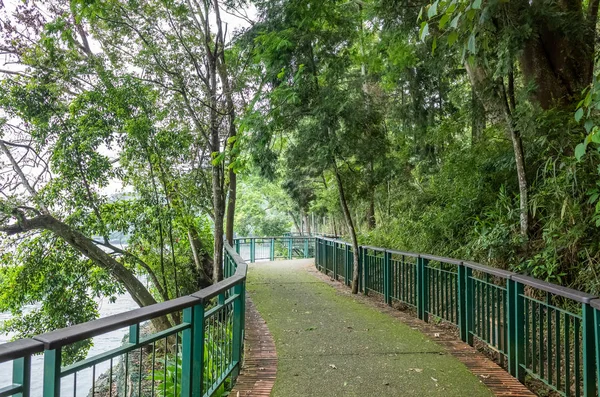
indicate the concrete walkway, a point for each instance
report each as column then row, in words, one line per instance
column 330, row 344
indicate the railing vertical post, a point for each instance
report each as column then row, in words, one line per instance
column 589, row 362
column 187, row 348
column 365, row 265
column 597, row 337
column 237, row 246
column 387, row 277
column 290, row 247
column 52, row 364
column 252, row 249
column 361, row 271
column 22, row 374
column 237, row 328
column 462, row 302
column 272, row 250
column 335, row 269
column 422, row 289
column 347, row 263
column 516, row 329
column 469, row 305
column 317, row 252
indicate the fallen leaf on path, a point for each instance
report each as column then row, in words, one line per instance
column 332, row 366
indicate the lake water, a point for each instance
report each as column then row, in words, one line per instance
column 102, row 343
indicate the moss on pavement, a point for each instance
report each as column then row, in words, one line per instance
column 329, row 344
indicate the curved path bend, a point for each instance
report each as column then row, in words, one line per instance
column 331, row 343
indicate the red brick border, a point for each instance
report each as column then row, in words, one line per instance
column 259, row 369
column 500, row 382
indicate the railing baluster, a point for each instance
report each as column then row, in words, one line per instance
column 52, row 365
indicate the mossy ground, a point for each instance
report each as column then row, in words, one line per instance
column 329, row 344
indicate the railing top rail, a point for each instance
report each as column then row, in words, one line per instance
column 570, row 293
column 19, row 348
column 554, row 289
column 370, row 247
column 488, row 269
column 411, row 254
column 441, row 259
column 272, row 237
column 79, row 332
column 333, row 240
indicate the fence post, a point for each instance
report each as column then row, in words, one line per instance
column 463, row 305
column 597, row 337
column 237, row 246
column 365, row 262
column 469, row 306
column 316, row 253
column 22, row 374
column 589, row 360
column 290, row 247
column 347, row 264
column 192, row 351
column 516, row 329
column 335, row 270
column 252, row 249
column 422, row 289
column 387, row 277
column 272, row 250
column 361, row 284
column 237, row 329
column 52, row 364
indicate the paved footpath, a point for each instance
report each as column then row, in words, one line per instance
column 330, row 344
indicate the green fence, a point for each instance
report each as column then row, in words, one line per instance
column 253, row 249
column 192, row 358
column 538, row 329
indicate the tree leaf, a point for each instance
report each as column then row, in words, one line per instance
column 589, row 124
column 444, row 20
column 580, row 151
column 452, row 37
column 432, row 11
column 476, row 5
column 578, row 114
column 454, row 22
column 424, row 31
column 471, row 44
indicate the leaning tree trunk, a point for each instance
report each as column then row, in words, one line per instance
column 350, row 224
column 87, row 247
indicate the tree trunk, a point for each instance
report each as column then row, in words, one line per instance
column 371, row 212
column 219, row 210
column 350, row 225
column 477, row 117
column 231, row 200
column 307, row 224
column 296, row 224
column 515, row 137
column 87, row 247
column 201, row 260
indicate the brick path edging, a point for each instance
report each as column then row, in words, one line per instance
column 500, row 382
column 259, row 368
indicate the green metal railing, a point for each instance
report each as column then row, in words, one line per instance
column 193, row 358
column 537, row 329
column 253, row 249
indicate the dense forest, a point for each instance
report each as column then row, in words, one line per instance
column 455, row 127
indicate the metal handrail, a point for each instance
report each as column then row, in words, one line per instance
column 544, row 330
column 50, row 343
